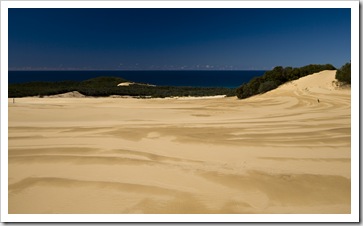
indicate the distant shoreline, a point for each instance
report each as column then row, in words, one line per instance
column 196, row 78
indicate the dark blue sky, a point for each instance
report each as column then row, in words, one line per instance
column 177, row 38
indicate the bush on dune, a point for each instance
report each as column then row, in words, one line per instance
column 276, row 77
column 344, row 74
column 267, row 86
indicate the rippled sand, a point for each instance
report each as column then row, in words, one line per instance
column 280, row 152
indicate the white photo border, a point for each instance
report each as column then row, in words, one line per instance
column 353, row 217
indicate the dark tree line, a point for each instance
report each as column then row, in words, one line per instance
column 276, row 77
column 106, row 86
column 343, row 74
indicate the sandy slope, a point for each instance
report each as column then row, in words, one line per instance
column 280, row 152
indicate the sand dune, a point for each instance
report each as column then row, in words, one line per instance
column 75, row 94
column 280, row 152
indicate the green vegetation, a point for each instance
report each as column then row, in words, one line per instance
column 343, row 74
column 276, row 77
column 41, row 88
column 106, row 86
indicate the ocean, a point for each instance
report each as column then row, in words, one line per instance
column 227, row 79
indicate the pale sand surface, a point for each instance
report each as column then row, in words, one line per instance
column 279, row 152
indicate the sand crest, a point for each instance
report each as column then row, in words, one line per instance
column 280, row 152
column 74, row 94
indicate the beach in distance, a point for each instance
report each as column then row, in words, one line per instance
column 284, row 151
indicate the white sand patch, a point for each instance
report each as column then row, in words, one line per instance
column 74, row 94
column 133, row 83
column 125, row 84
column 198, row 98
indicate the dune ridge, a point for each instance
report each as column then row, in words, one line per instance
column 279, row 152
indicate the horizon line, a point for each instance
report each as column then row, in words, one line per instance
column 138, row 69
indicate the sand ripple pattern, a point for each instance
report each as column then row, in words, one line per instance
column 279, row 152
